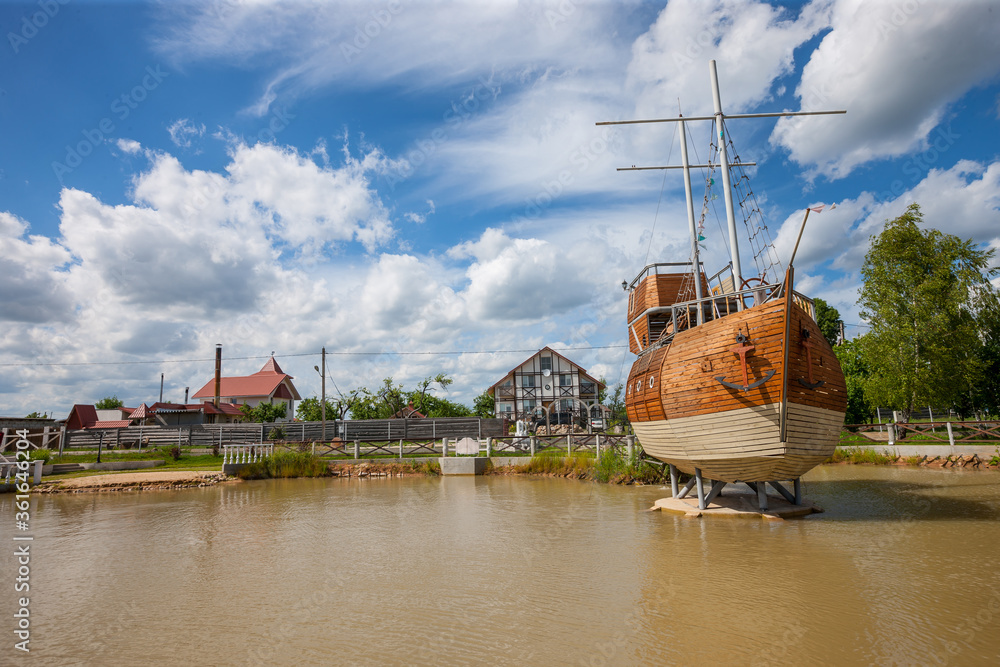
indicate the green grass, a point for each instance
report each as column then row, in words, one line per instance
column 284, row 465
column 617, row 469
column 861, row 455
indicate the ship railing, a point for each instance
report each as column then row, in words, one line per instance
column 684, row 316
column 654, row 270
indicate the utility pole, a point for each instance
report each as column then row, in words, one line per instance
column 161, row 387
column 323, row 384
column 322, row 404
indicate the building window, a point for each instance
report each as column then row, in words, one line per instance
column 565, row 380
column 529, row 406
column 546, row 363
column 527, row 380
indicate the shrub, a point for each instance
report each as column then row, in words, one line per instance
column 42, row 455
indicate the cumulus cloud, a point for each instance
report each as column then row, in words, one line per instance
column 896, row 68
column 32, row 279
column 753, row 43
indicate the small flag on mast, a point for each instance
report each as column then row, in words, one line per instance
column 820, row 207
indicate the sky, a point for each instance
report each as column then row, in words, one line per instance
column 421, row 187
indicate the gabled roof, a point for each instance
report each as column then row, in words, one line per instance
column 141, row 412
column 264, row 382
column 583, row 372
column 81, row 416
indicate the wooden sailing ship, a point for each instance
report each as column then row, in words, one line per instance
column 734, row 381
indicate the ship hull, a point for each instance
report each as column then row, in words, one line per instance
column 770, row 412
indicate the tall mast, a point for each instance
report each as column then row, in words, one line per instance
column 691, row 222
column 726, row 181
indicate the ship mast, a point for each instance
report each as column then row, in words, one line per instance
column 727, row 187
column 691, row 222
column 719, row 117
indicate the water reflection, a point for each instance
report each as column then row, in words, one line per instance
column 900, row 569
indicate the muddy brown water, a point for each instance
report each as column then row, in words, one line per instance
column 902, row 568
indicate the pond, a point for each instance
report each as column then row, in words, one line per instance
column 901, row 569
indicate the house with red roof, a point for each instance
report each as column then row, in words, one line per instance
column 86, row 417
column 268, row 385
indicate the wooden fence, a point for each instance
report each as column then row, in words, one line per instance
column 924, row 433
column 217, row 435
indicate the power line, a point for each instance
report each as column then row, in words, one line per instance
column 306, row 354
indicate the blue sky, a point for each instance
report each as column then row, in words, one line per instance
column 398, row 177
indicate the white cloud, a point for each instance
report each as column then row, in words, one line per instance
column 896, row 68
column 183, row 131
column 411, row 43
column 129, row 146
column 32, row 284
column 753, row 43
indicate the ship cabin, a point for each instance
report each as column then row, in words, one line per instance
column 663, row 300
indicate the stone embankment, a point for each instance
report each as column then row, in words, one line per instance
column 380, row 469
column 970, row 461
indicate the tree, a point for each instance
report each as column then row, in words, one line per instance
column 856, row 373
column 484, row 405
column 986, row 392
column 311, row 410
column 619, row 414
column 419, row 397
column 264, row 412
column 35, row 415
column 924, row 294
column 109, row 403
column 828, row 319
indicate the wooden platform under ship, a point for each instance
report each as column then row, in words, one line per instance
column 734, row 380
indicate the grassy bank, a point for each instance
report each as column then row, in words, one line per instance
column 609, row 468
column 285, row 465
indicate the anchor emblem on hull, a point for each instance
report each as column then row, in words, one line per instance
column 808, row 344
column 742, row 348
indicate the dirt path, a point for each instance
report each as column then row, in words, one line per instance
column 134, row 481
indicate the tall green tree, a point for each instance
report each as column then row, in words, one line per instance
column 109, row 403
column 986, row 392
column 923, row 294
column 828, row 319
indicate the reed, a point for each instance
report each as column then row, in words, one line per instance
column 285, row 464
column 861, row 455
